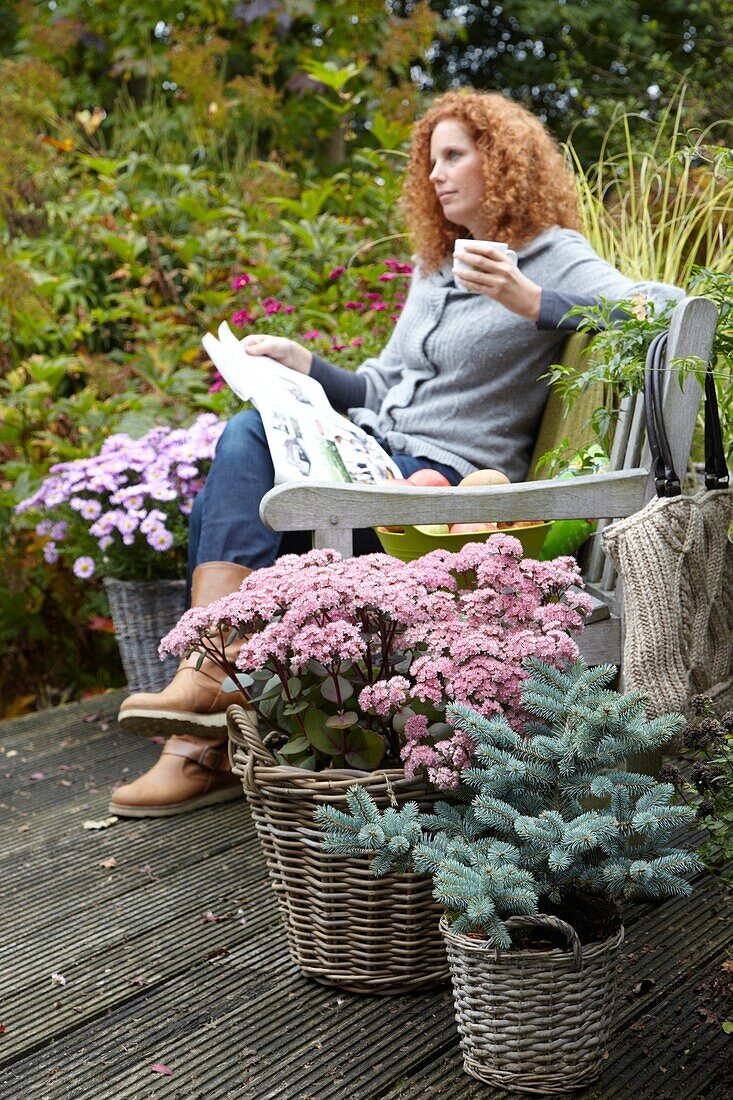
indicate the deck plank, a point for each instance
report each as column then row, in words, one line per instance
column 222, row 1004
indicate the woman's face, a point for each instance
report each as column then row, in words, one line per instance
column 456, row 174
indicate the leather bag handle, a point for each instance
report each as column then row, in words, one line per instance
column 665, row 475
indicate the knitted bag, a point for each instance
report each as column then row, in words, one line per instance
column 676, row 564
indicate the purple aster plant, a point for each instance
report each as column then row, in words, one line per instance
column 124, row 512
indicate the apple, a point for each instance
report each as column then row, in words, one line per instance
column 485, row 477
column 432, row 528
column 466, row 528
column 428, row 477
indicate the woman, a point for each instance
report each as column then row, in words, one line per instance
column 458, row 387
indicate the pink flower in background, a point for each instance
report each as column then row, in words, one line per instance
column 337, row 271
column 353, row 305
column 217, row 384
column 387, row 277
column 241, row 318
column 240, row 281
column 399, row 268
column 271, row 306
column 313, row 334
column 356, row 342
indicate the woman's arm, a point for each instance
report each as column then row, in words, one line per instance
column 576, row 270
column 344, row 389
column 554, row 306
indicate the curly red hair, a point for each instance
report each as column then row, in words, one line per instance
column 527, row 186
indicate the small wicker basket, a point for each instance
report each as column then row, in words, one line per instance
column 344, row 927
column 142, row 612
column 533, row 1021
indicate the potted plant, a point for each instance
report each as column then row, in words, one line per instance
column 123, row 514
column 348, row 664
column 527, row 857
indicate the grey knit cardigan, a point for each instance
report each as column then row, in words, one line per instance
column 459, row 381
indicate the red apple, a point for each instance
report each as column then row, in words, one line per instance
column 466, row 528
column 427, row 477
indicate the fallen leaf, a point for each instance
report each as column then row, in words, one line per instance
column 2, row 1029
column 728, row 966
column 90, row 718
column 109, row 862
column 642, row 987
column 214, row 918
column 11, row 752
column 37, row 775
column 146, row 869
column 158, row 1067
column 139, row 980
column 100, row 622
column 727, row 1027
column 103, row 824
column 217, row 952
column 23, row 828
column 58, row 979
column 64, row 783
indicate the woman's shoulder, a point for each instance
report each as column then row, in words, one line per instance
column 556, row 239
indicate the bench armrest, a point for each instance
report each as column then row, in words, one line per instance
column 313, row 505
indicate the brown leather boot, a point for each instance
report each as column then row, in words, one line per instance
column 191, row 773
column 193, row 702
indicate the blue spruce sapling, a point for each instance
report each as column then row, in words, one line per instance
column 528, row 841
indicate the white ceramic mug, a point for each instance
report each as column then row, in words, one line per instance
column 464, row 265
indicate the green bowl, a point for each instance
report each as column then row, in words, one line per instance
column 410, row 543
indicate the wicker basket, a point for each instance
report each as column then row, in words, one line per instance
column 533, row 1021
column 142, row 612
column 344, row 927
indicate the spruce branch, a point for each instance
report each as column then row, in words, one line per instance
column 528, row 835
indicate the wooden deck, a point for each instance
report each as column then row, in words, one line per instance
column 168, row 940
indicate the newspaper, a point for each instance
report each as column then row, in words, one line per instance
column 307, row 438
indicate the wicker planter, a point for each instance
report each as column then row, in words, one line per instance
column 533, row 1021
column 344, row 927
column 142, row 612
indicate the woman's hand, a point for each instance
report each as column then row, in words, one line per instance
column 494, row 274
column 280, row 348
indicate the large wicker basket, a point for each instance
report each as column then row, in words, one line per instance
column 142, row 612
column 533, row 1021
column 344, row 927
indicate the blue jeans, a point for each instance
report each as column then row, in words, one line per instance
column 225, row 522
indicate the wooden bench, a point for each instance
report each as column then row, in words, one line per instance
column 332, row 512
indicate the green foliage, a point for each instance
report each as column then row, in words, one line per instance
column 707, row 784
column 528, row 838
column 578, row 64
column 116, row 254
